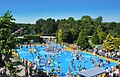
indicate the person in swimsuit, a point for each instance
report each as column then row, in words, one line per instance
column 77, row 57
column 58, row 69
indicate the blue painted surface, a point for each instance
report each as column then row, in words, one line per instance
column 64, row 59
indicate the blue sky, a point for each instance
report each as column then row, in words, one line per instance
column 28, row 11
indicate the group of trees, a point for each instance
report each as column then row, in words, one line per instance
column 71, row 27
column 68, row 30
column 7, row 43
column 98, row 36
column 82, row 40
column 111, row 43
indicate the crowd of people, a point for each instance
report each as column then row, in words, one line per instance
column 113, row 71
column 49, row 61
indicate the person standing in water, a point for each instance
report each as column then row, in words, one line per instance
column 72, row 62
column 58, row 70
column 77, row 57
column 38, row 61
column 49, row 62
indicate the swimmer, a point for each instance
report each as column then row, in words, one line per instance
column 79, row 68
column 45, row 63
column 52, row 63
column 58, row 70
column 74, row 51
column 30, row 45
column 39, row 54
column 83, row 69
column 77, row 57
column 30, row 50
column 35, row 46
column 72, row 62
column 74, row 69
column 21, row 46
column 93, row 64
column 35, row 50
column 80, row 57
column 38, row 61
column 26, row 46
column 68, row 70
column 92, row 60
column 49, row 61
column 45, row 57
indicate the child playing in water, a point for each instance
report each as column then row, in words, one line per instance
column 35, row 50
column 68, row 70
column 77, row 57
column 35, row 46
column 52, row 63
column 93, row 64
column 49, row 61
column 80, row 57
column 57, row 58
column 58, row 70
column 72, row 62
column 45, row 63
column 38, row 61
column 79, row 68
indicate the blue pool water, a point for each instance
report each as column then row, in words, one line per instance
column 64, row 59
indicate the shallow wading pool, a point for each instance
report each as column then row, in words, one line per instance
column 64, row 59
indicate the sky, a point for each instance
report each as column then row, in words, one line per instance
column 29, row 11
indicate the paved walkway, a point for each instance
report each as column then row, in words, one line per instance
column 22, row 73
column 20, row 66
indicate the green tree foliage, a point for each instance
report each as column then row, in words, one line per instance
column 87, row 23
column 97, row 21
column 70, row 29
column 109, row 43
column 117, row 43
column 49, row 28
column 71, row 22
column 82, row 40
column 25, row 31
column 59, row 36
column 67, row 36
column 111, row 27
column 39, row 23
column 101, row 35
column 95, row 38
column 73, row 27
column 12, row 69
column 7, row 41
column 30, row 29
column 62, row 24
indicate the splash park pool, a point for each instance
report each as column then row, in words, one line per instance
column 62, row 61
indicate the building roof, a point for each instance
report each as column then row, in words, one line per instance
column 48, row 37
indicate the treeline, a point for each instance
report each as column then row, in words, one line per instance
column 71, row 28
